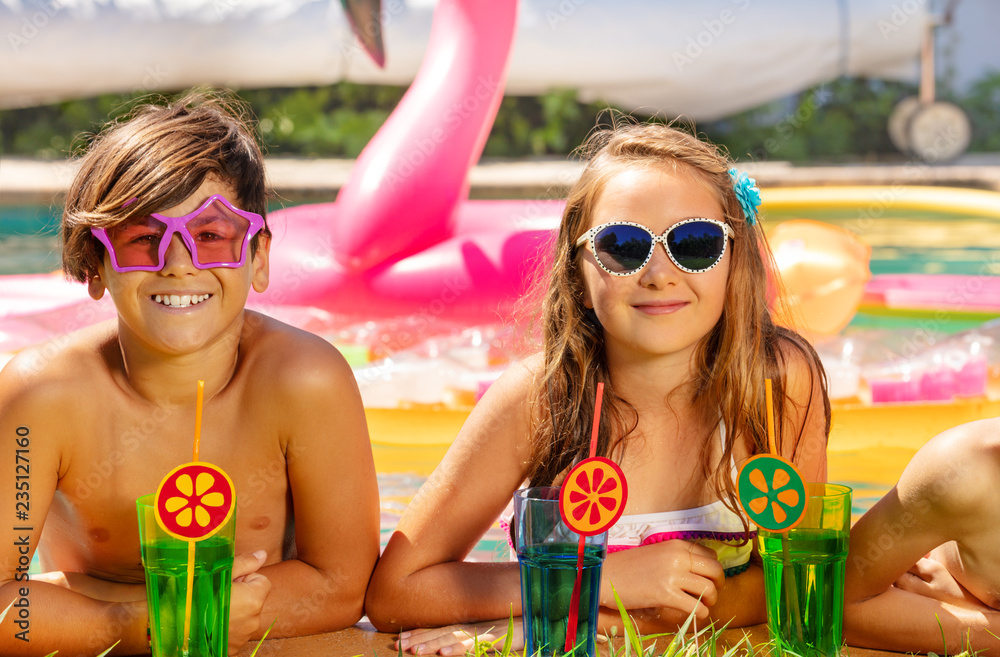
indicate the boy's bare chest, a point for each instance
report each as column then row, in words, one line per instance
column 92, row 525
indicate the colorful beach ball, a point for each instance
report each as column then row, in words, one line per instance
column 772, row 492
column 194, row 501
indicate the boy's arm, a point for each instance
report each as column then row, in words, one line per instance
column 334, row 492
column 935, row 497
column 46, row 617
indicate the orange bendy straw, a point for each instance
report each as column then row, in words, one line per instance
column 190, row 565
column 197, row 418
column 769, row 398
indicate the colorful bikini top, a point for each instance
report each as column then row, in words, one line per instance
column 713, row 525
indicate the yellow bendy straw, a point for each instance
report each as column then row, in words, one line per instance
column 190, row 565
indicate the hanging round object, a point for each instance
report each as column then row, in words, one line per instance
column 899, row 123
column 939, row 132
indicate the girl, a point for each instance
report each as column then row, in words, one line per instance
column 659, row 289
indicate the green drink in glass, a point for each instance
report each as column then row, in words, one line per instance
column 804, row 575
column 165, row 559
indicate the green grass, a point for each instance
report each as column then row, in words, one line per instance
column 704, row 642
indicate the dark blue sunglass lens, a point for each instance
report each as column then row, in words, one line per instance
column 697, row 245
column 621, row 248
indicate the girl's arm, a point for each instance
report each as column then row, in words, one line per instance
column 421, row 579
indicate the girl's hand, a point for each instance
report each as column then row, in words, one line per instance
column 457, row 639
column 674, row 574
column 250, row 589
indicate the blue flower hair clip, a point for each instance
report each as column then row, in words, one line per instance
column 748, row 194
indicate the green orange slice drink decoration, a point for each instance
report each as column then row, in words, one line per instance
column 772, row 492
column 591, row 500
column 192, row 503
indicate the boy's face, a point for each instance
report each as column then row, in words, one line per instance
column 181, row 308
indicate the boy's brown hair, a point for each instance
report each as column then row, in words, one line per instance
column 160, row 156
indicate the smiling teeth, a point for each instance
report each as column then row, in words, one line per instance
column 180, row 300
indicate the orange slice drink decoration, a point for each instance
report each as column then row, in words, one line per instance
column 772, row 492
column 194, row 501
column 593, row 496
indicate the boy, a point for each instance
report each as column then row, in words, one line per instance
column 923, row 571
column 98, row 418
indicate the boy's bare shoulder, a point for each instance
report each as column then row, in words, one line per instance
column 291, row 359
column 59, row 370
column 951, row 470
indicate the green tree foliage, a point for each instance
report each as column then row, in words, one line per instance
column 843, row 120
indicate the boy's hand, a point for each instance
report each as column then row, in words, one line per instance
column 250, row 589
column 932, row 579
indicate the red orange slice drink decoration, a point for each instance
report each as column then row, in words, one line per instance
column 592, row 499
column 194, row 501
column 593, row 496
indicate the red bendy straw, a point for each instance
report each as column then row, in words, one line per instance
column 574, row 605
column 597, row 419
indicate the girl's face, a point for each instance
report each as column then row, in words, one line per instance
column 661, row 310
column 182, row 309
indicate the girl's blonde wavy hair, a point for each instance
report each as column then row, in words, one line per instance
column 732, row 361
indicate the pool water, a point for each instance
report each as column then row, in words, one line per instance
column 29, row 241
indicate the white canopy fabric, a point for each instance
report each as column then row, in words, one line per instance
column 703, row 59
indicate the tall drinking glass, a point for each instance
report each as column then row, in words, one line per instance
column 165, row 559
column 547, row 553
column 804, row 575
